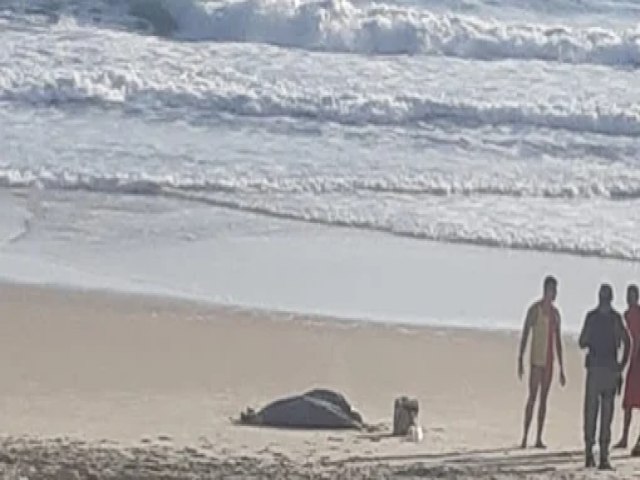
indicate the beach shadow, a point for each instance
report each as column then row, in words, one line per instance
column 505, row 460
column 545, row 459
column 426, row 457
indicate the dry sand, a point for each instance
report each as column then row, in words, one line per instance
column 99, row 385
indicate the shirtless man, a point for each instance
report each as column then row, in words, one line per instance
column 542, row 323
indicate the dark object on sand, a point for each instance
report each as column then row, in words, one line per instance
column 405, row 415
column 315, row 409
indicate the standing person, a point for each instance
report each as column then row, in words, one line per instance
column 632, row 386
column 602, row 334
column 542, row 322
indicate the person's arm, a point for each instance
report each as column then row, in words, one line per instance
column 526, row 329
column 623, row 337
column 585, row 335
column 563, row 378
column 635, row 345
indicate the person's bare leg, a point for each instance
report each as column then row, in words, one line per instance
column 624, row 441
column 534, row 383
column 542, row 408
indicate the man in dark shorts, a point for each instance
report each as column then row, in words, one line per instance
column 602, row 335
column 542, row 324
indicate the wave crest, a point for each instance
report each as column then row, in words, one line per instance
column 341, row 26
column 199, row 97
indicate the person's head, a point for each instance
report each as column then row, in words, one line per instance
column 605, row 295
column 632, row 295
column 550, row 289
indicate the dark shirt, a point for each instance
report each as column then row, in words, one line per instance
column 603, row 334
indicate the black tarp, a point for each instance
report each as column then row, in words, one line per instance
column 315, row 409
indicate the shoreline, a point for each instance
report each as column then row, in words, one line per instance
column 272, row 265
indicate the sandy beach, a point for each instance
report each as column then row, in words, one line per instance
column 102, row 385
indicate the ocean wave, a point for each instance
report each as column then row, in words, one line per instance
column 428, row 185
column 461, row 220
column 341, row 26
column 549, row 217
column 346, row 27
column 200, row 97
column 403, row 224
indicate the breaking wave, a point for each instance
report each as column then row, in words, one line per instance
column 342, row 26
column 200, row 97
